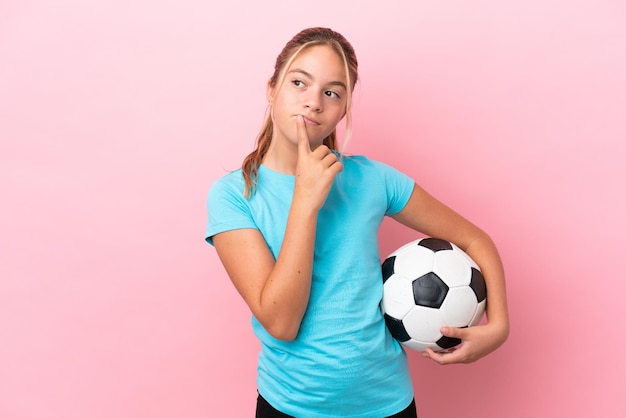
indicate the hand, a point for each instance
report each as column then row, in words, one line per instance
column 476, row 342
column 315, row 169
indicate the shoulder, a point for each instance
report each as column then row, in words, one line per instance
column 363, row 163
column 232, row 179
column 229, row 186
column 227, row 207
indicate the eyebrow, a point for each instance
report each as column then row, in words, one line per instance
column 306, row 74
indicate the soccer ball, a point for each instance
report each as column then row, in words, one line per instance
column 427, row 284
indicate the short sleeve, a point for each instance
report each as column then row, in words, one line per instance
column 227, row 208
column 398, row 186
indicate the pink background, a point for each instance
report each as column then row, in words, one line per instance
column 116, row 116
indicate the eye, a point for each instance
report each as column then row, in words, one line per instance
column 297, row 83
column 332, row 94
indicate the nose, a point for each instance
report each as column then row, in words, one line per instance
column 313, row 102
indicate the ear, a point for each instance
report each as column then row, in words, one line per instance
column 269, row 91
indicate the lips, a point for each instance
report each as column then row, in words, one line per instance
column 309, row 121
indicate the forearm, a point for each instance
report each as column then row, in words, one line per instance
column 483, row 251
column 285, row 295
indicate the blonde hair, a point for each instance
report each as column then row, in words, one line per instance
column 301, row 41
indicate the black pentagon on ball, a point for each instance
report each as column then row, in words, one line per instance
column 448, row 342
column 396, row 328
column 387, row 267
column 429, row 290
column 478, row 285
column 435, row 244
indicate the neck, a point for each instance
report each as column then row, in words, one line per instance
column 281, row 157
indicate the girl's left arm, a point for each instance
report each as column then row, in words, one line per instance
column 429, row 216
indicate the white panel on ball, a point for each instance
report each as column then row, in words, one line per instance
column 423, row 323
column 413, row 262
column 459, row 307
column 398, row 297
column 420, row 346
column 452, row 268
column 480, row 311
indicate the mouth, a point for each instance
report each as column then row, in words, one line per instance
column 309, row 121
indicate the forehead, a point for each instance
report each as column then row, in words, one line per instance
column 320, row 61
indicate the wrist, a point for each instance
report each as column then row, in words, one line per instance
column 303, row 210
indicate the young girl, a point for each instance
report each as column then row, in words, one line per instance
column 296, row 230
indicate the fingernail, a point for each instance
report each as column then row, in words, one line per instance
column 444, row 330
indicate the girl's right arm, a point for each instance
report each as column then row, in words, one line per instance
column 277, row 291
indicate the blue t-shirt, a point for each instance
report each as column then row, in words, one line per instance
column 344, row 362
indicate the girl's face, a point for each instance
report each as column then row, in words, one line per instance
column 314, row 87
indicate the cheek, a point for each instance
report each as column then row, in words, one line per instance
column 338, row 116
column 284, row 114
column 285, row 101
column 285, row 125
